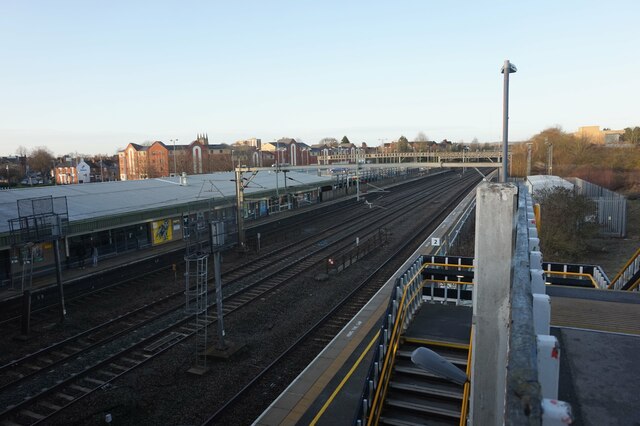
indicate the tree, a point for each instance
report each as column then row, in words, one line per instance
column 21, row 151
column 41, row 160
column 332, row 142
column 421, row 137
column 565, row 224
column 632, row 135
column 403, row 145
column 345, row 140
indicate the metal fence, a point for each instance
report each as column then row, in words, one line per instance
column 611, row 207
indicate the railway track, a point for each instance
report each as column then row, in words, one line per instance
column 47, row 311
column 242, row 408
column 92, row 373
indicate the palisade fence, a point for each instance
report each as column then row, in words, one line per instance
column 611, row 207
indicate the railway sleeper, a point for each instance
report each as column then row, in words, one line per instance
column 118, row 367
column 94, row 381
column 130, row 360
column 79, row 388
column 32, row 367
column 167, row 340
column 64, row 396
column 32, row 415
column 50, row 406
column 15, row 373
column 107, row 373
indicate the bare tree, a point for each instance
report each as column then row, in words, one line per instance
column 421, row 137
column 333, row 142
column 21, row 151
column 41, row 160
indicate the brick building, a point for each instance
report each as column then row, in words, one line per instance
column 159, row 159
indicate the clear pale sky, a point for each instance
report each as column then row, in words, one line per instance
column 91, row 76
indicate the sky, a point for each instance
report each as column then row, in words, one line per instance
column 90, row 77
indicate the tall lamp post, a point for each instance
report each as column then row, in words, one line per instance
column 507, row 68
column 175, row 168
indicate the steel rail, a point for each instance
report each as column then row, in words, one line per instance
column 213, row 419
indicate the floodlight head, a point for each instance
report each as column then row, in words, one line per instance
column 512, row 69
column 433, row 363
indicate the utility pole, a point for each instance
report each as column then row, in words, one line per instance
column 507, row 69
column 529, row 147
column 549, row 156
column 175, row 168
column 240, row 207
column 357, row 176
column 217, row 242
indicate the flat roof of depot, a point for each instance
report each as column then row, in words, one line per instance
column 94, row 200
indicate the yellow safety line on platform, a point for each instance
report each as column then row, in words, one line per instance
column 436, row 343
column 344, row 380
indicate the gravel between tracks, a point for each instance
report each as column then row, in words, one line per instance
column 163, row 393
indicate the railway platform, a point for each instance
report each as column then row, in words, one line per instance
column 111, row 263
column 328, row 392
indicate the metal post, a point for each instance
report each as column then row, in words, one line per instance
column 551, row 159
column 175, row 167
column 286, row 192
column 240, row 208
column 357, row 177
column 529, row 147
column 26, row 314
column 56, row 251
column 277, row 170
column 220, row 314
column 506, row 70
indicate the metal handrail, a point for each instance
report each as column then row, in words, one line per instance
column 575, row 274
column 404, row 301
column 467, row 386
column 618, row 281
column 399, row 323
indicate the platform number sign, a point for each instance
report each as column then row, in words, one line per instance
column 435, row 242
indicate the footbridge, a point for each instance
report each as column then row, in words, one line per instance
column 423, row 159
column 502, row 338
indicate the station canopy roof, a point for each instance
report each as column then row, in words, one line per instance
column 98, row 200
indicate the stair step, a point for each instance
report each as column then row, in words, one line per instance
column 453, row 355
column 395, row 417
column 444, row 390
column 424, row 407
column 410, row 369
